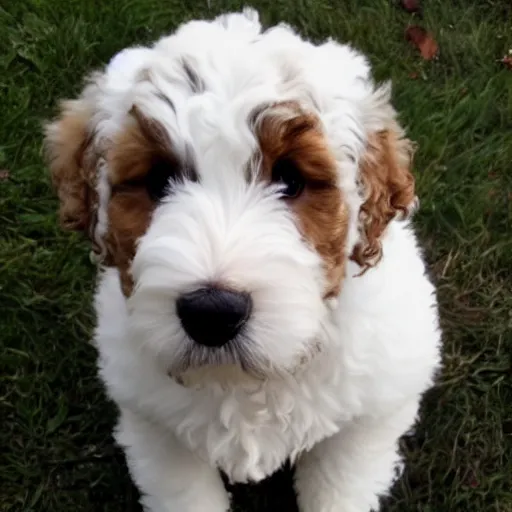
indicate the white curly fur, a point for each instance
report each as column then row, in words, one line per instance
column 339, row 381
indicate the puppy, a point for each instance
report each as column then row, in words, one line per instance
column 261, row 294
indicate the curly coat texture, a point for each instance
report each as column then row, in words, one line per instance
column 343, row 336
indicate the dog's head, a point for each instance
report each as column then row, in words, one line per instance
column 230, row 174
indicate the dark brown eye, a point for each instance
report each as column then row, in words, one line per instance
column 286, row 173
column 158, row 179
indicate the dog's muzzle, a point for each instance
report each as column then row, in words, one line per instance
column 213, row 316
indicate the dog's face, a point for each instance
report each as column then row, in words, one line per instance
column 229, row 175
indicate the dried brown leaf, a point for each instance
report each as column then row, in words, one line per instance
column 423, row 40
column 507, row 61
column 4, row 174
column 411, row 5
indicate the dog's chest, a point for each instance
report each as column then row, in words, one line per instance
column 249, row 431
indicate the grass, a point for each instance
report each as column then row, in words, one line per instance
column 56, row 451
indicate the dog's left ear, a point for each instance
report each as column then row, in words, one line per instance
column 388, row 188
column 65, row 143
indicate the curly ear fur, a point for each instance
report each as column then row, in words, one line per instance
column 388, row 189
column 65, row 142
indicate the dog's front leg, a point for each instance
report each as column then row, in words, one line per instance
column 169, row 476
column 351, row 470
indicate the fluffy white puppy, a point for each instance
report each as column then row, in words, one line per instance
column 262, row 294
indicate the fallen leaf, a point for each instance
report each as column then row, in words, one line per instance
column 4, row 174
column 411, row 5
column 413, row 75
column 423, row 40
column 474, row 483
column 507, row 60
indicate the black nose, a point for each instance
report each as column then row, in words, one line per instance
column 213, row 316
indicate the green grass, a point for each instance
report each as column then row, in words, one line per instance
column 56, row 451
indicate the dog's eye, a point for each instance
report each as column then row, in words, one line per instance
column 285, row 172
column 157, row 180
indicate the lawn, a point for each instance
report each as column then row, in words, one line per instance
column 56, row 451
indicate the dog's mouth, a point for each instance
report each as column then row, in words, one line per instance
column 230, row 363
column 225, row 376
column 234, row 365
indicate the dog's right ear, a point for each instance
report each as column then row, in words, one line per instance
column 65, row 143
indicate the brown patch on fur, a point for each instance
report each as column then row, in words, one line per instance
column 320, row 210
column 153, row 131
column 73, row 162
column 388, row 185
column 66, row 140
column 129, row 214
column 136, row 149
column 130, row 156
